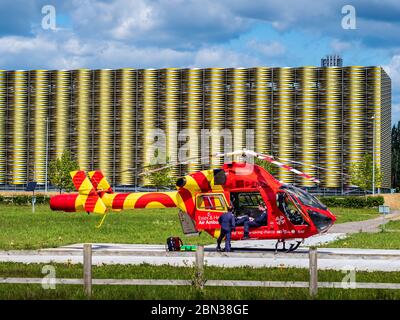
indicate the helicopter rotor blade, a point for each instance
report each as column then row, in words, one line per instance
column 270, row 159
column 187, row 161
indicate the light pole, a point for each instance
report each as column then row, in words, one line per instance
column 373, row 155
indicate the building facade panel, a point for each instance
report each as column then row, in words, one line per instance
column 284, row 119
column 331, row 127
column 195, row 115
column 307, row 123
column 3, row 108
column 126, row 125
column 38, row 114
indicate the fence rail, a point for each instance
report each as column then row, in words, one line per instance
column 87, row 281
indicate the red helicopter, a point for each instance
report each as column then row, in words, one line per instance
column 292, row 213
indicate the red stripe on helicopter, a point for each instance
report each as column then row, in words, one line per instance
column 118, row 202
column 79, row 178
column 162, row 198
column 90, row 203
column 96, row 178
column 202, row 181
column 186, row 196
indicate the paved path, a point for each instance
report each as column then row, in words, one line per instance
column 371, row 225
column 105, row 253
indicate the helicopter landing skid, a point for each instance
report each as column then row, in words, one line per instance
column 293, row 246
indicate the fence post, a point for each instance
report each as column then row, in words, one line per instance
column 312, row 253
column 199, row 275
column 87, row 268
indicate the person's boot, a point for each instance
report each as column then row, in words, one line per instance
column 219, row 249
column 246, row 236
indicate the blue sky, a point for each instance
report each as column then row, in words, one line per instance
column 206, row 33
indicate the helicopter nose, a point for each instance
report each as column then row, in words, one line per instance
column 321, row 221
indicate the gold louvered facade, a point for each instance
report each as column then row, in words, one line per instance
column 150, row 116
column 83, row 135
column 261, row 108
column 331, row 136
column 354, row 113
column 103, row 121
column 194, row 107
column 215, row 106
column 3, row 140
column 307, row 123
column 238, row 120
column 284, row 118
column 17, row 126
column 171, row 98
column 127, row 122
column 38, row 114
column 323, row 119
column 61, row 109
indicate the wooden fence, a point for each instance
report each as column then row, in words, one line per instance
column 199, row 280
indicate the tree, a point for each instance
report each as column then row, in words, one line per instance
column 396, row 156
column 268, row 166
column 361, row 173
column 59, row 171
column 160, row 175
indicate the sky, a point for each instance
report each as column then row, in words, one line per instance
column 205, row 33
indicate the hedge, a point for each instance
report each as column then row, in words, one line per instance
column 353, row 202
column 23, row 199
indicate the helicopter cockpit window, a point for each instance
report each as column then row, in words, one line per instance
column 306, row 198
column 289, row 208
column 211, row 202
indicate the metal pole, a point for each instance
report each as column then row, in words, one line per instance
column 47, row 152
column 312, row 254
column 373, row 155
column 87, row 268
column 200, row 267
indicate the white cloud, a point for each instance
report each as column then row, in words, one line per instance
column 393, row 70
column 174, row 23
column 220, row 57
column 267, row 49
column 339, row 46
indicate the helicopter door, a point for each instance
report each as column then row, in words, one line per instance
column 209, row 208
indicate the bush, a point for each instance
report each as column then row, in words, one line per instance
column 353, row 202
column 23, row 200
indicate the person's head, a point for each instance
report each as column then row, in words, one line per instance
column 261, row 206
column 230, row 208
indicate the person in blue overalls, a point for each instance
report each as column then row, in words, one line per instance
column 257, row 222
column 227, row 222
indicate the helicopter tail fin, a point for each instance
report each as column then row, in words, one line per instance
column 99, row 181
column 88, row 199
column 82, row 183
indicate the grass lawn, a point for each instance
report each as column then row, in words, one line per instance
column 8, row 291
column 389, row 238
column 22, row 229
column 349, row 215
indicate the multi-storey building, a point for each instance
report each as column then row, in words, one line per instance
column 323, row 118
